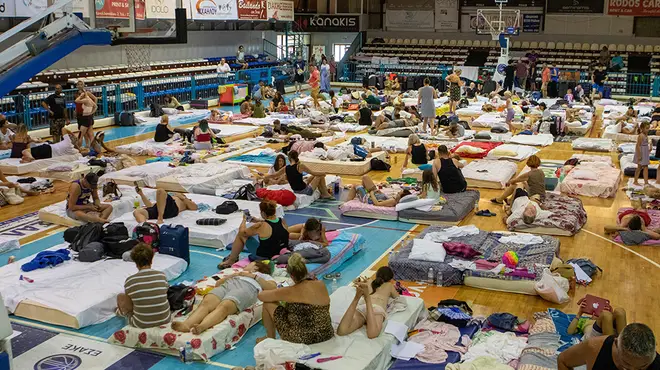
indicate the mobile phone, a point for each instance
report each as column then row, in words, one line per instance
column 248, row 217
column 216, row 278
column 141, row 184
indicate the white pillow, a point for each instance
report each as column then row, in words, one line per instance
column 170, row 111
column 408, row 198
column 467, row 149
column 417, row 203
column 425, row 250
column 585, row 175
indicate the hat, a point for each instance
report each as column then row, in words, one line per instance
column 92, row 179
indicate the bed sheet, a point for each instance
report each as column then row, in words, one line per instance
column 232, row 130
column 628, row 166
column 492, row 171
column 214, row 236
column 485, row 145
column 522, row 152
column 258, row 157
column 535, row 140
column 39, row 183
column 357, row 206
column 621, row 109
column 605, row 186
column 593, row 158
column 441, row 136
column 13, row 166
column 204, row 178
column 458, row 206
column 149, row 173
column 86, row 291
column 342, row 248
column 593, row 144
column 491, row 119
column 389, row 144
column 579, row 127
column 347, row 127
column 568, row 214
column 151, row 147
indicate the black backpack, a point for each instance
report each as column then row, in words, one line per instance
column 124, row 118
column 116, row 245
column 464, row 103
column 379, row 165
column 156, row 110
column 88, row 233
column 115, row 229
column 71, row 233
column 180, row 297
column 443, row 121
column 227, row 207
column 246, row 192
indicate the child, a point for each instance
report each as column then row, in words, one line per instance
column 569, row 96
column 311, row 231
column 510, row 113
column 215, row 116
column 430, row 185
column 642, row 153
column 283, row 108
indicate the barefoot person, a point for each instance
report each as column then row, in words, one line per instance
column 532, row 181
column 607, row 323
column 369, row 306
column 144, row 301
column 294, row 175
column 167, row 206
column 369, row 193
column 78, row 205
column 311, row 231
column 299, row 313
column 231, row 295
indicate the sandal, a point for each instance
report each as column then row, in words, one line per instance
column 225, row 264
column 494, row 200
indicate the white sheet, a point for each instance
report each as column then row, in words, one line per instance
column 149, row 172
column 231, row 130
column 86, row 291
column 536, row 140
column 268, row 121
column 223, row 234
column 641, row 109
column 491, row 119
column 13, row 166
column 523, row 152
column 204, row 178
column 593, row 158
column 386, row 143
column 494, row 171
column 595, row 144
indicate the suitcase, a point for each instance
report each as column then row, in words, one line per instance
column 607, row 92
column 199, row 104
column 174, row 241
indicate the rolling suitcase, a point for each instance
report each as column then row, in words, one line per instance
column 174, row 241
column 199, row 104
column 607, row 92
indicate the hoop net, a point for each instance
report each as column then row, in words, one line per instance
column 138, row 57
column 496, row 21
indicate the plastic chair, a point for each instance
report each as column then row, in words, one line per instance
column 551, row 45
column 460, row 42
column 476, row 44
column 612, row 47
column 437, row 42
column 516, row 45
column 639, row 48
column 543, row 45
column 525, row 45
column 648, row 48
column 452, row 42
column 468, row 43
column 533, row 45
column 414, row 41
column 630, row 48
column 406, row 41
column 560, row 46
column 656, row 49
column 445, row 43
column 568, row 46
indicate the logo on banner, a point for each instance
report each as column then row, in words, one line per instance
column 319, row 21
column 99, row 4
column 68, row 362
column 206, row 7
column 159, row 7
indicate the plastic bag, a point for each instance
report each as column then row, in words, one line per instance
column 552, row 288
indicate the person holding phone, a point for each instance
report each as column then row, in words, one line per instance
column 607, row 322
column 78, row 205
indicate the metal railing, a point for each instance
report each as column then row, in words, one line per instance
column 134, row 96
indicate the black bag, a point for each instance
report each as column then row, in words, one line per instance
column 115, row 229
column 125, row 119
column 443, row 120
column 226, row 207
column 279, row 86
column 180, row 297
column 246, row 192
column 379, row 165
column 111, row 187
column 71, row 233
column 92, row 252
column 88, row 233
column 97, row 162
column 464, row 103
column 116, row 245
column 156, row 110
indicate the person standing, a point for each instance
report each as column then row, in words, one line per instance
column 325, row 76
column 509, row 74
column 314, row 80
column 299, row 73
column 455, row 84
column 522, row 71
column 545, row 79
column 553, row 85
column 333, row 68
column 533, row 58
column 642, row 154
column 598, row 78
column 55, row 105
column 88, row 104
column 427, row 106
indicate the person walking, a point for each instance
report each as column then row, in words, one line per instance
column 522, row 71
column 58, row 115
column 427, row 107
column 299, row 74
column 455, row 84
column 325, row 76
column 509, row 75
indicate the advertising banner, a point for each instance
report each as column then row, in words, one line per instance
column 639, row 8
column 118, row 9
column 409, row 19
column 252, row 10
column 328, row 23
column 280, row 10
column 532, row 23
column 446, row 15
column 160, row 9
column 28, row 8
column 7, row 8
column 576, row 6
column 214, row 9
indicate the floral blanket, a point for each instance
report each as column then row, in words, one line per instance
column 567, row 214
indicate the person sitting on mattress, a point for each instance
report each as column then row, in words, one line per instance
column 448, row 168
column 368, row 193
column 364, row 115
column 533, row 182
column 258, row 109
column 416, row 152
column 607, row 323
column 6, row 134
column 454, row 130
column 525, row 207
column 164, row 131
column 311, row 231
column 299, row 313
column 272, row 231
column 246, row 106
column 430, row 185
column 78, row 205
column 67, row 146
column 167, row 206
column 203, row 136
column 232, row 295
column 144, row 301
column 171, row 102
column 632, row 227
column 294, row 175
column 369, row 306
column 280, row 162
column 21, row 141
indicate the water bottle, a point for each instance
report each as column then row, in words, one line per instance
column 431, row 276
column 334, row 285
column 476, row 206
column 188, row 354
column 438, row 279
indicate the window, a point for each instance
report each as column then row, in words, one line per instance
column 339, row 50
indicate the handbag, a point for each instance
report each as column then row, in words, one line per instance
column 111, row 187
column 246, row 192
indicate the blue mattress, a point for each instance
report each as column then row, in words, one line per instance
column 342, row 248
column 453, row 357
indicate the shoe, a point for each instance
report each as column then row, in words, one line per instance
column 495, row 201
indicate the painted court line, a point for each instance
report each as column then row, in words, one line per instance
column 625, row 248
column 388, row 250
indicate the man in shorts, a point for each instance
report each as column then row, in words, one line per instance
column 78, row 205
column 167, row 206
column 55, row 105
column 525, row 208
column 369, row 193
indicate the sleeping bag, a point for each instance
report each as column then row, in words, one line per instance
column 282, row 197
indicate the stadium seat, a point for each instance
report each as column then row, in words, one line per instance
column 414, row 41
column 612, row 47
column 648, row 48
column 493, row 44
column 639, row 48
column 445, row 42
column 621, row 47
column 422, row 42
column 543, row 45
column 460, row 42
column 516, row 45
column 437, row 42
column 476, row 44
column 406, row 41
column 551, row 45
column 399, row 42
column 568, row 46
column 630, row 48
column 594, row 47
column 452, row 42
column 656, row 49
column 560, row 46
column 525, row 45
column 534, row 45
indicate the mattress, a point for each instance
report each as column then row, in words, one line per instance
column 586, row 158
column 614, row 132
column 230, row 150
column 355, row 208
column 459, row 206
column 302, row 200
column 495, row 137
column 202, row 178
column 267, row 121
column 579, row 127
column 568, row 217
column 74, row 294
column 628, row 166
column 207, row 236
column 654, row 225
column 535, row 140
column 484, row 145
column 637, row 191
column 491, row 119
column 70, row 176
column 347, row 127
column 604, row 184
column 342, row 167
column 488, row 173
column 233, row 131
column 13, row 166
column 522, row 152
column 622, row 109
column 442, row 136
column 358, row 352
column 56, row 213
column 342, row 248
column 593, row 144
column 149, row 173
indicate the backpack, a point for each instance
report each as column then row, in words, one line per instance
column 92, row 252
column 443, row 121
column 360, row 151
column 148, row 233
column 111, row 187
column 156, row 110
column 464, row 103
column 88, row 233
column 124, row 118
column 180, row 297
column 227, row 207
column 116, row 245
column 71, row 233
column 115, row 229
column 379, row 165
column 246, row 192
column 586, row 265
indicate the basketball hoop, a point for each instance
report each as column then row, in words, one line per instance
column 138, row 57
column 498, row 21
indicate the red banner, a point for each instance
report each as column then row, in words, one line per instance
column 118, row 9
column 252, row 10
column 640, row 8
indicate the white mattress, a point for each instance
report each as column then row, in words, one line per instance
column 358, row 351
column 443, row 137
column 472, row 110
column 151, row 147
column 594, row 144
column 496, row 138
column 489, row 120
column 143, row 119
column 536, row 140
column 579, row 127
column 231, row 130
column 386, row 143
column 626, row 162
column 409, row 102
column 267, row 121
column 216, row 236
column 494, row 171
column 86, row 291
column 641, row 109
column 204, row 178
column 523, row 152
column 593, row 158
column 149, row 172
column 13, row 166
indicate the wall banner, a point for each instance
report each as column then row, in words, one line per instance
column 160, row 9
column 446, row 15
column 639, row 8
column 531, row 23
column 7, row 8
column 409, row 19
column 118, row 9
column 28, row 8
column 328, row 23
column 575, row 6
column 252, row 10
column 280, row 10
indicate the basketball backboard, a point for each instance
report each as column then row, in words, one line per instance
column 495, row 22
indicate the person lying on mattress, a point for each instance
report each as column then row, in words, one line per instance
column 454, row 130
column 448, row 169
column 312, row 231
column 29, row 154
column 383, row 123
column 632, row 226
column 634, row 348
column 369, row 193
column 369, row 306
column 231, row 295
column 533, row 182
column 525, row 207
column 607, row 323
column 144, row 301
column 286, row 131
column 299, row 313
column 294, row 175
column 416, row 151
column 272, row 231
column 167, row 206
column 78, row 205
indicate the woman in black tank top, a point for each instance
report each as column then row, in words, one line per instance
column 416, row 152
column 294, row 175
column 449, row 172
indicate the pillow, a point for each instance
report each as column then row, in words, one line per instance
column 170, row 111
column 425, row 250
column 467, row 149
column 408, row 198
column 504, row 153
column 584, row 175
column 460, row 250
column 482, row 135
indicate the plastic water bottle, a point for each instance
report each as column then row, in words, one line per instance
column 334, row 286
column 476, row 206
column 431, row 276
column 188, row 354
column 438, row 279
